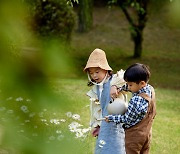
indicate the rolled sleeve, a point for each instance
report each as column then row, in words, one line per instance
column 117, row 79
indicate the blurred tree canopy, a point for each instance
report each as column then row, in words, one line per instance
column 52, row 18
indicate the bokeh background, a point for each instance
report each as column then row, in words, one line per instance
column 44, row 46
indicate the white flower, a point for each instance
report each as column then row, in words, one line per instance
column 51, row 120
column 55, row 121
column 85, row 130
column 28, row 100
column 24, row 109
column 69, row 114
column 76, row 116
column 62, row 120
column 19, row 99
column 79, row 133
column 43, row 120
column 58, row 131
column 73, row 126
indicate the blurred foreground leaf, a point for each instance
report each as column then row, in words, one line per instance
column 27, row 100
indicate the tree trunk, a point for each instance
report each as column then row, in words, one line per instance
column 85, row 15
column 138, row 39
column 136, row 27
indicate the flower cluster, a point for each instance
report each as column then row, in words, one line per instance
column 80, row 132
column 68, row 120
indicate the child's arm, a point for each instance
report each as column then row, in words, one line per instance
column 116, row 83
column 114, row 91
column 137, row 108
column 113, row 118
column 117, row 79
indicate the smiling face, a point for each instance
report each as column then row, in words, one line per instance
column 97, row 74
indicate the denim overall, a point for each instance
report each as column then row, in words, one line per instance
column 111, row 136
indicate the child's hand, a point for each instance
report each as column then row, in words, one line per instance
column 95, row 131
column 106, row 119
column 114, row 92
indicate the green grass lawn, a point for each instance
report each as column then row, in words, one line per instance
column 42, row 125
column 45, row 119
column 166, row 127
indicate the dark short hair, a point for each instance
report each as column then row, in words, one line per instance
column 137, row 73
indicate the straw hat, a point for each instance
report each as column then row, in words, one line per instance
column 98, row 59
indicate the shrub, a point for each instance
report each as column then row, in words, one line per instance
column 52, row 18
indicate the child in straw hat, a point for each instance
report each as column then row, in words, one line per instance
column 110, row 136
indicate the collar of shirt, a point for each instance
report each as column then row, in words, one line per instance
column 146, row 89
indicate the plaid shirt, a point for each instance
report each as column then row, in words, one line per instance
column 137, row 108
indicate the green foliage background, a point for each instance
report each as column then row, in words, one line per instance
column 45, row 78
column 52, row 18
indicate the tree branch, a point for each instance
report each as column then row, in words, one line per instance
column 130, row 20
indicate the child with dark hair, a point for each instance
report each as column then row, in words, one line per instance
column 138, row 119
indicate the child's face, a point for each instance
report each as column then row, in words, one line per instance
column 97, row 74
column 134, row 87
